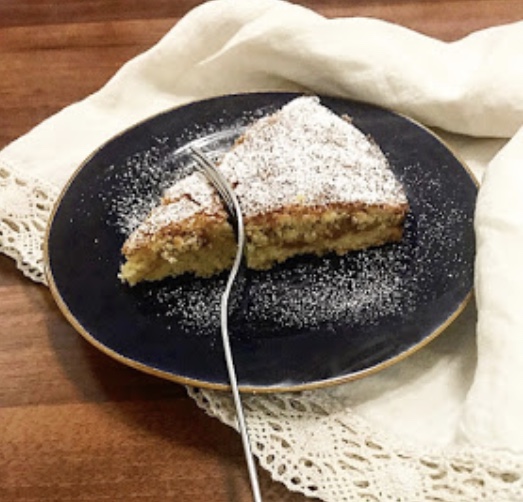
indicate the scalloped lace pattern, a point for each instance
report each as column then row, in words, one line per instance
column 307, row 441
column 311, row 445
column 25, row 206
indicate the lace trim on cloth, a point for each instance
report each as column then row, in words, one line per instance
column 25, row 207
column 306, row 441
column 312, row 446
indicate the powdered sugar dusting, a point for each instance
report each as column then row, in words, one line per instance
column 356, row 289
column 145, row 175
column 178, row 203
column 150, row 174
column 304, row 153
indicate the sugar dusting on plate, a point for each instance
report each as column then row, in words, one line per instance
column 356, row 289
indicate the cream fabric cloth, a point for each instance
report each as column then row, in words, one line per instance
column 470, row 90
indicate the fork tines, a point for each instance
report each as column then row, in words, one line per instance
column 216, row 178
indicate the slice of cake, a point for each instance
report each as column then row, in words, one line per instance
column 308, row 181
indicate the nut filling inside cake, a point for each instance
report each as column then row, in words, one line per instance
column 308, row 181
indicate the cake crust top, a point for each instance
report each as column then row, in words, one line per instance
column 303, row 154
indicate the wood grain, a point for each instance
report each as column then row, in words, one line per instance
column 74, row 424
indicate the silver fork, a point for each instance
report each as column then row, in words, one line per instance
column 229, row 197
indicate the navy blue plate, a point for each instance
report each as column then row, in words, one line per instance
column 307, row 323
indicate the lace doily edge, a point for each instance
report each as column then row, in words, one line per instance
column 34, row 271
column 30, row 264
column 458, row 460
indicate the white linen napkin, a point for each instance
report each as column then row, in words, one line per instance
column 494, row 405
column 471, row 90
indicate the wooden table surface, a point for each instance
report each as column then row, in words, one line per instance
column 74, row 424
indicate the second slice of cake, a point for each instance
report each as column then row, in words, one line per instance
column 308, row 181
